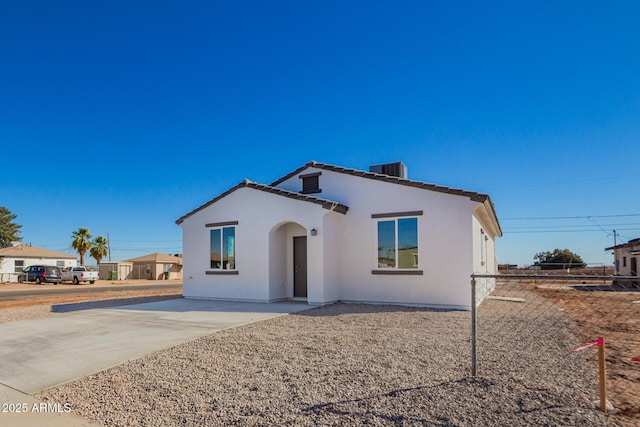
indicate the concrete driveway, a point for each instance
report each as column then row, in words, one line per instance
column 40, row 353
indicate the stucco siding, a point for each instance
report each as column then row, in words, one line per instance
column 624, row 256
column 278, row 252
column 444, row 242
column 259, row 215
column 333, row 235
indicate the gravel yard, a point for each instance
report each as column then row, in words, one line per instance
column 352, row 364
column 14, row 314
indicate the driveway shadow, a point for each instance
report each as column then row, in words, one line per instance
column 184, row 305
column 340, row 308
column 108, row 303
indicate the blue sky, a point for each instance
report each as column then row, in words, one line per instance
column 123, row 116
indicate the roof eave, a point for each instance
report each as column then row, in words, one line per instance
column 488, row 217
column 472, row 195
column 326, row 204
column 294, row 173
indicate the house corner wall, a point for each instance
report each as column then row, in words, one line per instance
column 315, row 269
column 278, row 280
column 484, row 249
column 332, row 233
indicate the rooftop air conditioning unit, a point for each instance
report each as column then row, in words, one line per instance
column 392, row 169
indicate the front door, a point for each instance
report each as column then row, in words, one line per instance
column 300, row 267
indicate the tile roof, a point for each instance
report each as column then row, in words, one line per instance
column 472, row 195
column 27, row 251
column 326, row 204
column 476, row 197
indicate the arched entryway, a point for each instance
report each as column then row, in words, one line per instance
column 288, row 261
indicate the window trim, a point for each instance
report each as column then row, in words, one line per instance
column 395, row 217
column 483, row 248
column 396, row 214
column 221, row 272
column 16, row 266
column 398, row 272
column 221, row 226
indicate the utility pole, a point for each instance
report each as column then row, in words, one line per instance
column 109, row 246
column 615, row 258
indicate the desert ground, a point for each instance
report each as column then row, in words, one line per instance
column 615, row 316
column 311, row 368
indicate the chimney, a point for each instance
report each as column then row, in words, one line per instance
column 392, row 169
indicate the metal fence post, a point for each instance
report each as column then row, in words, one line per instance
column 473, row 328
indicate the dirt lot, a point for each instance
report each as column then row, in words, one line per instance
column 615, row 316
column 108, row 290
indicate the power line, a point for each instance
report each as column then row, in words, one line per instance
column 599, row 226
column 567, row 217
column 570, row 226
column 569, row 231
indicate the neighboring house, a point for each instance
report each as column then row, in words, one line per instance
column 15, row 258
column 119, row 270
column 156, row 266
column 626, row 257
column 325, row 233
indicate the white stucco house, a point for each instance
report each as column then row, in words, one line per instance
column 15, row 258
column 324, row 233
column 625, row 257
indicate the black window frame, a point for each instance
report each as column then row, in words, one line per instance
column 395, row 217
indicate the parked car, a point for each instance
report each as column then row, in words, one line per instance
column 39, row 274
column 79, row 274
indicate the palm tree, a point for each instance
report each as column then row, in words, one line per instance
column 99, row 248
column 81, row 242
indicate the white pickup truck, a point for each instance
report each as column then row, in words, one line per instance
column 79, row 274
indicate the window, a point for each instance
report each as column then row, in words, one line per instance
column 624, row 261
column 311, row 183
column 398, row 243
column 223, row 248
column 483, row 248
column 60, row 264
column 18, row 266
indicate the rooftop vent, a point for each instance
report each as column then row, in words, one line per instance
column 392, row 169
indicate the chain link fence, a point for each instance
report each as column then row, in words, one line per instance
column 536, row 320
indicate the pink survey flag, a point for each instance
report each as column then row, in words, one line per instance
column 593, row 344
